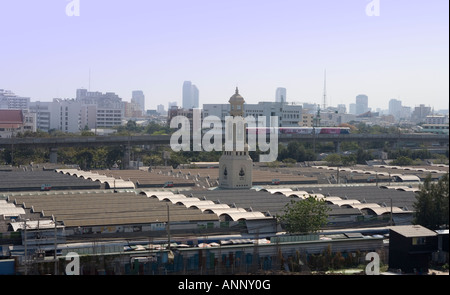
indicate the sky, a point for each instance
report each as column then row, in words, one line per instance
column 382, row 48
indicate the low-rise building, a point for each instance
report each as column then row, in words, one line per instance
column 410, row 248
column 13, row 122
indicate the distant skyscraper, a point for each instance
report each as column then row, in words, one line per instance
column 190, row 95
column 362, row 104
column 280, row 94
column 139, row 97
column 395, row 107
column 170, row 104
column 195, row 97
column 352, row 108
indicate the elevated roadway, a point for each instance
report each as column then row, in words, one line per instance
column 53, row 143
column 93, row 141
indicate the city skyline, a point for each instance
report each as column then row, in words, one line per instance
column 258, row 45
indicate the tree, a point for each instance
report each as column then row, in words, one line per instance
column 403, row 161
column 333, row 159
column 431, row 206
column 305, row 216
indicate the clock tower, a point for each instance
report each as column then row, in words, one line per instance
column 235, row 167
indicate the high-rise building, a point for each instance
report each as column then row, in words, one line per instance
column 43, row 111
column 280, row 94
column 352, row 108
column 100, row 109
column 10, row 101
column 138, row 97
column 190, row 95
column 60, row 114
column 362, row 104
column 171, row 104
column 420, row 113
column 395, row 108
column 187, row 95
column 195, row 96
column 288, row 115
column 160, row 109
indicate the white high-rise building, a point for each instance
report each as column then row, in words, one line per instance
column 362, row 104
column 10, row 101
column 60, row 114
column 288, row 115
column 190, row 95
column 138, row 97
column 395, row 108
column 280, row 94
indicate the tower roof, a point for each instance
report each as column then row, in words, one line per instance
column 236, row 97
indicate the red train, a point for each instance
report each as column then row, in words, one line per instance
column 299, row 130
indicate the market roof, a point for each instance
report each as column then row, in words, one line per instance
column 25, row 180
column 107, row 208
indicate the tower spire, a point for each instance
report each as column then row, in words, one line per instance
column 325, row 90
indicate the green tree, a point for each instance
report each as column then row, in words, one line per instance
column 431, row 206
column 403, row 161
column 333, row 159
column 305, row 216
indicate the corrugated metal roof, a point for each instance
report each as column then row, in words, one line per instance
column 107, row 208
column 411, row 231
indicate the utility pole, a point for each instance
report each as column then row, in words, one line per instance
column 26, row 250
column 325, row 90
column 54, row 255
column 168, row 227
column 390, row 219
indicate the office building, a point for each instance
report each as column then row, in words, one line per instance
column 190, row 95
column 362, row 104
column 395, row 108
column 420, row 113
column 43, row 111
column 10, row 101
column 280, row 94
column 60, row 114
column 288, row 115
column 99, row 109
column 138, row 97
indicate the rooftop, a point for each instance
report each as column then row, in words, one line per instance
column 413, row 231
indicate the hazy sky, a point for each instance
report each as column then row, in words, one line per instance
column 258, row 45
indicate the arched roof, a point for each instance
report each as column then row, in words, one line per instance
column 280, row 191
column 363, row 205
column 189, row 203
column 208, row 207
column 383, row 210
column 343, row 202
column 220, row 211
column 119, row 183
column 236, row 216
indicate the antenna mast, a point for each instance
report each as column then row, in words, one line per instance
column 325, row 90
